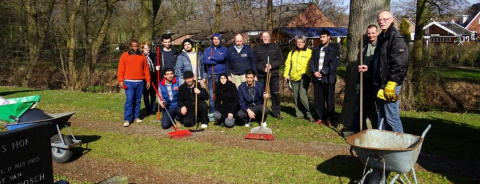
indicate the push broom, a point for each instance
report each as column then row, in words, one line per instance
column 177, row 134
column 262, row 133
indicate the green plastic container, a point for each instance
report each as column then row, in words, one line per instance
column 16, row 107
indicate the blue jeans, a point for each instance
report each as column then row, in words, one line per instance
column 211, row 92
column 133, row 101
column 390, row 113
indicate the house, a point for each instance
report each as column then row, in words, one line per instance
column 471, row 20
column 249, row 22
column 446, row 32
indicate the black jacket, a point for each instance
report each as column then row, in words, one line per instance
column 226, row 99
column 393, row 56
column 330, row 63
column 262, row 52
column 168, row 64
column 186, row 97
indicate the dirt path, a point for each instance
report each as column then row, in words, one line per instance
column 93, row 170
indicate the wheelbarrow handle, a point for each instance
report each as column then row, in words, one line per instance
column 426, row 130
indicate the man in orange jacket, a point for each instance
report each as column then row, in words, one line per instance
column 132, row 70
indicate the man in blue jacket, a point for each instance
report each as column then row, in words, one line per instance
column 239, row 59
column 323, row 65
column 250, row 98
column 214, row 60
column 168, row 88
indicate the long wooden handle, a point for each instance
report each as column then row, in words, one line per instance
column 361, row 73
column 196, row 81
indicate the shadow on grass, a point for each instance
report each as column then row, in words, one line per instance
column 6, row 93
column 449, row 149
column 79, row 151
column 342, row 166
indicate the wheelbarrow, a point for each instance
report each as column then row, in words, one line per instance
column 383, row 150
column 19, row 112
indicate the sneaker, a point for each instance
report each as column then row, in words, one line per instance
column 204, row 125
column 126, row 124
column 264, row 124
column 247, row 124
column 311, row 119
column 138, row 120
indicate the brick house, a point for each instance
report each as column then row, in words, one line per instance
column 471, row 20
column 446, row 32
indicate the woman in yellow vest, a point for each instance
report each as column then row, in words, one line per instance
column 298, row 74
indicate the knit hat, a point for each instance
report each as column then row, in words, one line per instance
column 187, row 40
column 188, row 74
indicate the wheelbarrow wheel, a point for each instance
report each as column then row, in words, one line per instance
column 61, row 155
column 375, row 177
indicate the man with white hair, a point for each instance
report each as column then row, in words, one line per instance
column 388, row 70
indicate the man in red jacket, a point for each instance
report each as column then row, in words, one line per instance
column 132, row 70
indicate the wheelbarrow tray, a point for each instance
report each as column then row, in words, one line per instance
column 399, row 150
column 59, row 119
column 16, row 107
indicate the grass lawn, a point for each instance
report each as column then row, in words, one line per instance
column 453, row 137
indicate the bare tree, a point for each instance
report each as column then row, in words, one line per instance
column 37, row 22
column 356, row 30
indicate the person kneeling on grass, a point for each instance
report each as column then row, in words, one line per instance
column 168, row 88
column 186, row 101
column 226, row 103
column 250, row 98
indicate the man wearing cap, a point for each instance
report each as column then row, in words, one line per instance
column 323, row 66
column 186, row 61
column 186, row 101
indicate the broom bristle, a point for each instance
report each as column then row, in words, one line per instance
column 268, row 137
column 179, row 134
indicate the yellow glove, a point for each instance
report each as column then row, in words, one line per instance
column 390, row 91
column 380, row 94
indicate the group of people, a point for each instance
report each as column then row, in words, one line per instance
column 233, row 80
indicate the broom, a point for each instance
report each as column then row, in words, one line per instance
column 177, row 134
column 262, row 133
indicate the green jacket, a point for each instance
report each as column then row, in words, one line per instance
column 297, row 64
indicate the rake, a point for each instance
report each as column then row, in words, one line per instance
column 177, row 134
column 262, row 133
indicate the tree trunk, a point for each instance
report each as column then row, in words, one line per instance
column 355, row 31
column 72, row 71
column 270, row 16
column 413, row 87
column 218, row 16
column 35, row 34
column 146, row 21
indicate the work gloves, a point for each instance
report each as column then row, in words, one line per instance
column 388, row 94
